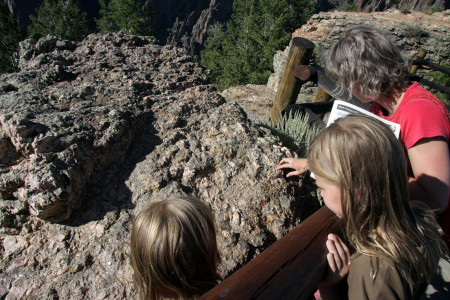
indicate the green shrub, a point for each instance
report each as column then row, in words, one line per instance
column 405, row 11
column 60, row 18
column 434, row 9
column 242, row 51
column 294, row 132
column 351, row 7
column 129, row 16
column 442, row 79
column 11, row 35
column 414, row 31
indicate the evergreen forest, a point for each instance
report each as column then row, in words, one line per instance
column 54, row 16
column 238, row 52
column 241, row 52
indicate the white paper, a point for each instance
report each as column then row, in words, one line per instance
column 341, row 109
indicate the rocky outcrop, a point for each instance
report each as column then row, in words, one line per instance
column 381, row 5
column 91, row 131
column 179, row 23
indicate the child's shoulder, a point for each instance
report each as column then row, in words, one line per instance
column 366, row 280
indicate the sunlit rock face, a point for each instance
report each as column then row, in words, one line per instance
column 91, row 131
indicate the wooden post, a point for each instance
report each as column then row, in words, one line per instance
column 309, row 73
column 322, row 96
column 300, row 52
column 289, row 269
column 422, row 54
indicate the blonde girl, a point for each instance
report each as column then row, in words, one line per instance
column 173, row 249
column 366, row 63
column 360, row 168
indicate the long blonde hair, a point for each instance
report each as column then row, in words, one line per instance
column 173, row 249
column 362, row 156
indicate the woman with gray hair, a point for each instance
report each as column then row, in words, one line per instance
column 368, row 64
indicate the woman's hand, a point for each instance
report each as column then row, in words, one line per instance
column 338, row 262
column 300, row 165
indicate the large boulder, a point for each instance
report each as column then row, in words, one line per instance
column 91, row 131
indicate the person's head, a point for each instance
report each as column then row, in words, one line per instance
column 362, row 158
column 361, row 165
column 173, row 249
column 366, row 63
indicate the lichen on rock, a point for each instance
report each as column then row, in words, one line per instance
column 91, row 131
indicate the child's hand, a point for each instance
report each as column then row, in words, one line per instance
column 300, row 165
column 338, row 261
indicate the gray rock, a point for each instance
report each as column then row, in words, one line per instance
column 92, row 132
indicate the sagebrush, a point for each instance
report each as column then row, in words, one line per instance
column 295, row 132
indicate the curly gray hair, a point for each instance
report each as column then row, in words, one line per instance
column 366, row 62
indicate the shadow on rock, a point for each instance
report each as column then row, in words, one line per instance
column 115, row 195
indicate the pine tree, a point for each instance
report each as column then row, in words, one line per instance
column 60, row 18
column 243, row 52
column 129, row 16
column 10, row 36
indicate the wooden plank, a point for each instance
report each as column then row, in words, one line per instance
column 300, row 52
column 430, row 84
column 423, row 62
column 322, row 96
column 414, row 68
column 420, row 61
column 291, row 267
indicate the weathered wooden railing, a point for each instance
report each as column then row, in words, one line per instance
column 300, row 52
column 289, row 269
column 420, row 61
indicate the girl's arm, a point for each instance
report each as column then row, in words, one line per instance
column 430, row 162
column 300, row 165
column 338, row 262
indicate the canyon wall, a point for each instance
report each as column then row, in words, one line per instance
column 184, row 23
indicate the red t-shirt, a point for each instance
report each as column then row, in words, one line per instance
column 420, row 115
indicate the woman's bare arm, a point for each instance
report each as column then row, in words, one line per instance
column 430, row 162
